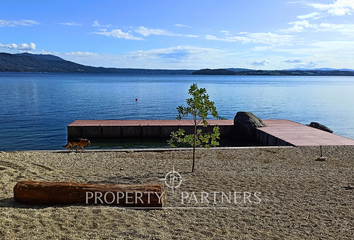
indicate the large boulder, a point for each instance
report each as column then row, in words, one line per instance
column 245, row 124
column 320, row 126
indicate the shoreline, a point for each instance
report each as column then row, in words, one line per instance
column 301, row 197
column 152, row 149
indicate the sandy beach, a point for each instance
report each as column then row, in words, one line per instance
column 298, row 197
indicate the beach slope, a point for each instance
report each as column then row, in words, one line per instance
column 298, row 197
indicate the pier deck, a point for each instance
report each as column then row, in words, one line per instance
column 289, row 133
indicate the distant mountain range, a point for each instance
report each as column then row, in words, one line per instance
column 322, row 69
column 26, row 62
column 308, row 72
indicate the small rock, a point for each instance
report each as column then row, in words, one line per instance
column 320, row 126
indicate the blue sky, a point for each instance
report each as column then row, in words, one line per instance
column 182, row 34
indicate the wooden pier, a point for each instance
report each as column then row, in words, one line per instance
column 276, row 133
column 139, row 128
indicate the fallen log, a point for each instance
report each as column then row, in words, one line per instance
column 133, row 196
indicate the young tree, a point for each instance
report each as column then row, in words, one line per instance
column 199, row 106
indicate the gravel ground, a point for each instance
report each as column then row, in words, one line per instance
column 282, row 193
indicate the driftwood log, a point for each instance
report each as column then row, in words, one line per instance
column 134, row 196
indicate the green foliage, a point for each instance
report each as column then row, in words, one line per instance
column 199, row 106
column 205, row 140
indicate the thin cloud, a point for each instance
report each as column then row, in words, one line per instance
column 20, row 47
column 97, row 24
column 175, row 54
column 310, row 64
column 304, row 25
column 9, row 46
column 259, row 63
column 293, row 61
column 4, row 23
column 261, row 48
column 71, row 24
column 117, row 33
column 299, row 26
column 151, row 31
column 227, row 33
column 299, row 63
column 182, row 25
column 171, row 50
column 81, row 54
column 25, row 46
column 264, row 38
column 178, row 57
column 337, row 8
column 314, row 15
column 228, row 39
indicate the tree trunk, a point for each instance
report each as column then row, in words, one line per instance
column 135, row 196
column 194, row 140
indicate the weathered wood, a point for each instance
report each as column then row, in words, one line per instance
column 135, row 196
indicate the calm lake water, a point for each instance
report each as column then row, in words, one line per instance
column 35, row 108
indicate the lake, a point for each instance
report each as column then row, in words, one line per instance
column 35, row 108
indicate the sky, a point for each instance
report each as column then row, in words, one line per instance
column 183, row 34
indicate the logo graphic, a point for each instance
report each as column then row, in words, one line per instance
column 173, row 179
